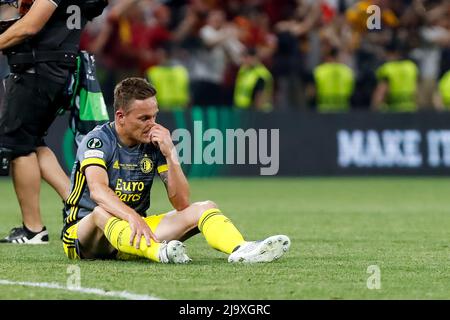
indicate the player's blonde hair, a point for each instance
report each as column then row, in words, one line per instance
column 131, row 89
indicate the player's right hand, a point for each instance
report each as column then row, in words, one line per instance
column 139, row 229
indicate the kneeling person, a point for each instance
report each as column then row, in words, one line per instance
column 105, row 214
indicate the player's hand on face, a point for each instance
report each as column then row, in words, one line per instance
column 139, row 229
column 161, row 136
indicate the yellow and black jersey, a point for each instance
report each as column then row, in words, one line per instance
column 130, row 171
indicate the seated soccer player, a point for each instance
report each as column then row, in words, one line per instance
column 105, row 214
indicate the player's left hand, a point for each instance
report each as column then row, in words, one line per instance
column 161, row 137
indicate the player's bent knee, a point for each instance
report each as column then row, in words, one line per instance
column 100, row 216
column 198, row 208
column 96, row 214
column 206, row 205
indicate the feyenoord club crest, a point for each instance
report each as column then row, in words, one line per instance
column 146, row 165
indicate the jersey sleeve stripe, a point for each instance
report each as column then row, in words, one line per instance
column 80, row 190
column 75, row 187
column 163, row 168
column 92, row 161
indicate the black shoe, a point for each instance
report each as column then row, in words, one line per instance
column 22, row 235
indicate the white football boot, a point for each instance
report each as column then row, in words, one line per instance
column 173, row 251
column 22, row 235
column 266, row 250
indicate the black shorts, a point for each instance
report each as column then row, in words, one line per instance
column 29, row 106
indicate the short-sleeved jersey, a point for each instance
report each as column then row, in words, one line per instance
column 130, row 172
column 62, row 32
column 55, row 35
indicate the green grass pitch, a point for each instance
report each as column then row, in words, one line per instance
column 338, row 227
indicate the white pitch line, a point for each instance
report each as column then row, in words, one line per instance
column 95, row 291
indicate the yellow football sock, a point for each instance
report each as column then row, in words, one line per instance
column 118, row 233
column 219, row 231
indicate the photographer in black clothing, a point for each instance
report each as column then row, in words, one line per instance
column 42, row 47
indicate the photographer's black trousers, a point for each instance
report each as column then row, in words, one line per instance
column 30, row 105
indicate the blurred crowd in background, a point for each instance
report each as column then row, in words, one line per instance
column 325, row 55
